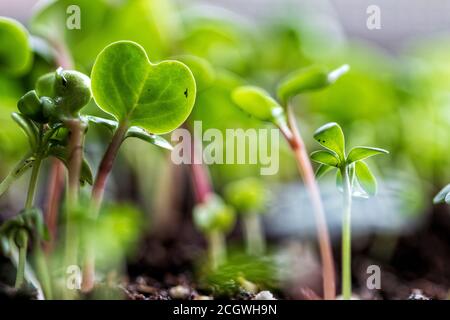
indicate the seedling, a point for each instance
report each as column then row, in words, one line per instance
column 443, row 196
column 43, row 114
column 215, row 219
column 142, row 97
column 259, row 104
column 249, row 197
column 352, row 172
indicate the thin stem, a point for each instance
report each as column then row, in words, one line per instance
column 346, row 237
column 217, row 248
column 306, row 171
column 20, row 276
column 76, row 129
column 98, row 191
column 15, row 173
column 253, row 234
column 33, row 182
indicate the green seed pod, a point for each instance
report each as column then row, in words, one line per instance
column 30, row 106
column 214, row 214
column 49, row 109
column 247, row 195
column 45, row 85
column 72, row 90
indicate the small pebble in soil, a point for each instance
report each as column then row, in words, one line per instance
column 264, row 295
column 417, row 294
column 179, row 292
column 203, row 298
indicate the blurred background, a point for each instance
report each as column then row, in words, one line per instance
column 396, row 96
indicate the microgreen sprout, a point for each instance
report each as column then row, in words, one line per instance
column 148, row 99
column 352, row 172
column 259, row 104
column 215, row 219
column 249, row 197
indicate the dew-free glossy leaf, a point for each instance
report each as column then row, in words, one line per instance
column 110, row 124
column 331, row 137
column 361, row 153
column 308, row 79
column 365, row 178
column 140, row 133
column 322, row 170
column 325, row 157
column 258, row 103
column 15, row 50
column 157, row 97
column 443, row 195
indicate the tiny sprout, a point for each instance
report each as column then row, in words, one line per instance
column 352, row 172
column 443, row 196
column 259, row 104
column 214, row 218
column 249, row 197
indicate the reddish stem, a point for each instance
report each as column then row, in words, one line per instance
column 306, row 171
column 98, row 191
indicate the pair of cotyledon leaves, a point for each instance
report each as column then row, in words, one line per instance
column 258, row 103
column 331, row 137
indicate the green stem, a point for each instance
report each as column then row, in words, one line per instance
column 18, row 170
column 20, row 276
column 33, row 182
column 98, row 190
column 217, row 249
column 253, row 234
column 346, row 237
column 292, row 135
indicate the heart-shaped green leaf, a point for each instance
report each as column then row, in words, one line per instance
column 366, row 179
column 259, row 104
column 140, row 133
column 443, row 195
column 15, row 51
column 325, row 157
column 308, row 79
column 361, row 153
column 331, row 137
column 157, row 97
column 201, row 69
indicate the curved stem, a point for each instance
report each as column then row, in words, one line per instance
column 346, row 237
column 306, row 171
column 98, row 191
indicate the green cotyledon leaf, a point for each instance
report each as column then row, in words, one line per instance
column 156, row 97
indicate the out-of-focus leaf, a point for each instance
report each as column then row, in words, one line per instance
column 325, row 157
column 443, row 195
column 322, row 170
column 247, row 195
column 214, row 214
column 30, row 129
column 15, row 52
column 365, row 178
